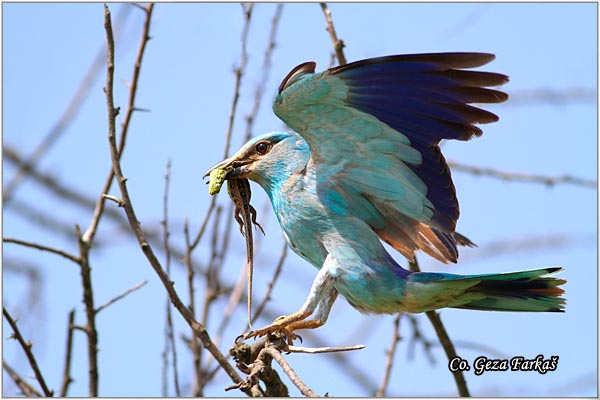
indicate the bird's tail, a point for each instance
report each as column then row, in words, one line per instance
column 514, row 291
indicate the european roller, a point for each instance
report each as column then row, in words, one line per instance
column 363, row 165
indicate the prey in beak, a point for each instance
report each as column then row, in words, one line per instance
column 229, row 168
column 238, row 188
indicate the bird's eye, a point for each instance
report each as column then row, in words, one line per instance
column 262, row 147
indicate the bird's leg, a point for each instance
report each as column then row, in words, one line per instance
column 322, row 285
column 320, row 317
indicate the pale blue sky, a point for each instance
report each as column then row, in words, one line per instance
column 187, row 83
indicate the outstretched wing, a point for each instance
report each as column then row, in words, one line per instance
column 374, row 126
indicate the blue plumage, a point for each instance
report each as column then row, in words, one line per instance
column 364, row 165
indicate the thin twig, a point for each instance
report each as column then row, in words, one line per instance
column 288, row 370
column 445, row 341
column 523, row 177
column 319, row 350
column 66, row 378
column 266, row 69
column 25, row 387
column 239, row 73
column 90, row 314
column 27, row 349
column 90, row 232
column 418, row 336
column 192, row 302
column 391, row 352
column 134, row 223
column 338, row 44
column 122, row 295
column 43, row 248
column 169, row 336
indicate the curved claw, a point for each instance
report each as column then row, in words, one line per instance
column 240, row 338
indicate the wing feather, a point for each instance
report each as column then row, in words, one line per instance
column 373, row 128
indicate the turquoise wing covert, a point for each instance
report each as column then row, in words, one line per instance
column 373, row 128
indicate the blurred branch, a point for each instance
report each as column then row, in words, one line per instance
column 25, row 387
column 418, row 336
column 522, row 177
column 557, row 97
column 338, row 44
column 60, row 126
column 551, row 241
column 64, row 254
column 169, row 336
column 67, row 380
column 199, row 329
column 445, row 341
column 239, row 73
column 391, row 352
column 27, row 349
column 266, row 69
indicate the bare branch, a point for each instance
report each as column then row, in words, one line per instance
column 391, row 352
column 169, row 337
column 66, row 380
column 43, row 248
column 134, row 223
column 522, row 177
column 239, row 73
column 445, row 341
column 266, row 69
column 89, row 234
column 27, row 349
column 273, row 352
column 25, row 387
column 319, row 350
column 338, row 44
column 90, row 314
column 556, row 97
column 122, row 295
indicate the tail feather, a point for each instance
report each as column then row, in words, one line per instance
column 530, row 290
column 519, row 291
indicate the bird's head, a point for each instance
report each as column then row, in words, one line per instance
column 269, row 160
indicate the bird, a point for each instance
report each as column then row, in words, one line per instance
column 362, row 165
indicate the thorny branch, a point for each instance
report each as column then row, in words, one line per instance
column 27, row 349
column 199, row 329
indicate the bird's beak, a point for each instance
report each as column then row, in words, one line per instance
column 232, row 165
column 225, row 164
column 230, row 168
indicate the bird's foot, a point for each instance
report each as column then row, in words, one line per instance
column 281, row 325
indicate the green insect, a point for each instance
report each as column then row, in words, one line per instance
column 217, row 177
